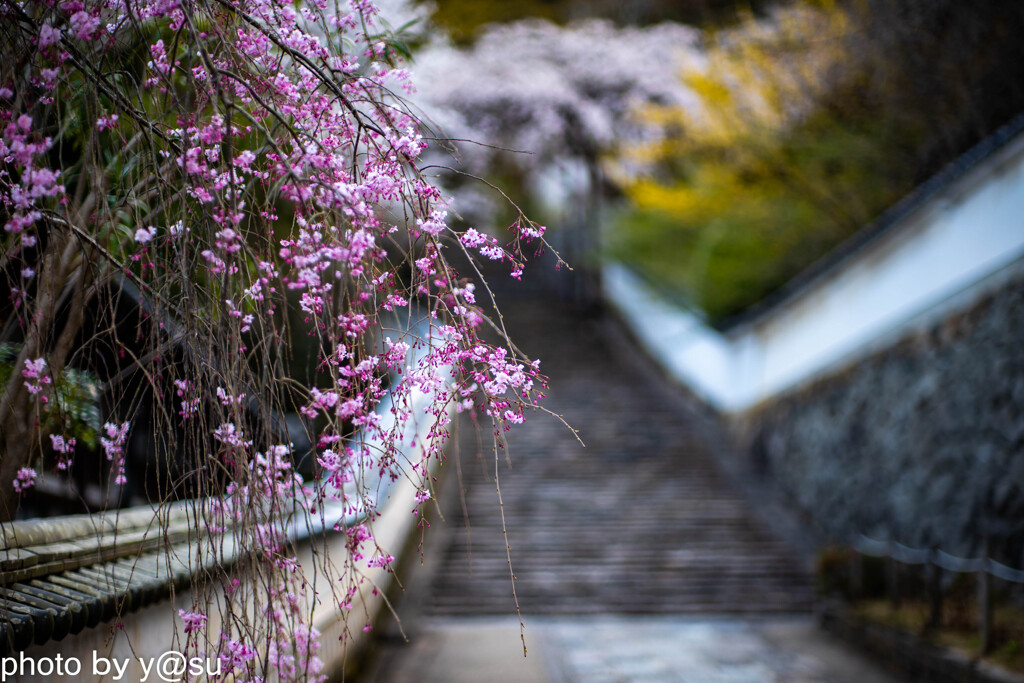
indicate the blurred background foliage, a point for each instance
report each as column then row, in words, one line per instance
column 76, row 412
column 462, row 19
column 812, row 122
column 812, row 118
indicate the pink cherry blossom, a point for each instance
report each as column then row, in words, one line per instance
column 252, row 180
column 194, row 621
column 25, row 480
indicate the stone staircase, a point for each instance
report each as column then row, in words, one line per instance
column 641, row 521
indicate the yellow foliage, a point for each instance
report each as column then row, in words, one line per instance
column 760, row 178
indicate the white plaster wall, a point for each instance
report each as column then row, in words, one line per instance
column 915, row 272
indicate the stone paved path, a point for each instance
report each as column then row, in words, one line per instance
column 639, row 521
column 620, row 649
column 635, row 559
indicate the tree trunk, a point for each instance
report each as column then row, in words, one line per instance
column 19, row 410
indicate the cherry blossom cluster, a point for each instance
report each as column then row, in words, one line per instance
column 572, row 96
column 22, row 148
column 194, row 621
column 294, row 645
column 25, row 480
column 36, row 377
column 578, row 85
column 256, row 162
column 64, row 447
column 113, row 446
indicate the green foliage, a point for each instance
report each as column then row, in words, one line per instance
column 804, row 134
column 77, row 410
column 462, row 18
column 738, row 222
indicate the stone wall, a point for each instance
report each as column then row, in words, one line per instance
column 922, row 443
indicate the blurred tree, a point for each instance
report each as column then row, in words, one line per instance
column 810, row 124
column 463, row 19
column 551, row 115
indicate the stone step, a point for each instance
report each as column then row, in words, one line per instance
column 639, row 522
